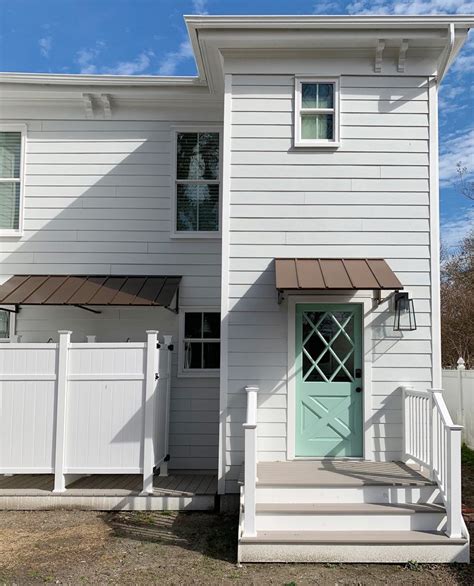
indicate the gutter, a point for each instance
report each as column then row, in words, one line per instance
column 448, row 53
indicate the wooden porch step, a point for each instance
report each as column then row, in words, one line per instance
column 354, row 538
column 347, row 508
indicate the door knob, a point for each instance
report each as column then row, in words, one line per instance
column 358, row 389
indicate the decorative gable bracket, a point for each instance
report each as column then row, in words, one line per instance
column 97, row 106
column 379, row 55
column 402, row 56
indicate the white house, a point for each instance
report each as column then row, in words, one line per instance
column 278, row 217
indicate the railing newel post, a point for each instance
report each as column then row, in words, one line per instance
column 250, row 463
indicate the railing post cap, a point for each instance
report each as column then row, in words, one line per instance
column 461, row 363
column 435, row 390
column 64, row 332
column 152, row 332
column 167, row 339
column 251, row 388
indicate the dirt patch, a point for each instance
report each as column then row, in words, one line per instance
column 79, row 547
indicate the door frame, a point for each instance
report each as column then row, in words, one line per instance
column 365, row 299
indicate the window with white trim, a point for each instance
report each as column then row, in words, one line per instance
column 316, row 112
column 11, row 180
column 7, row 324
column 197, row 200
column 200, row 342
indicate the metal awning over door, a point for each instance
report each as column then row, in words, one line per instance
column 296, row 274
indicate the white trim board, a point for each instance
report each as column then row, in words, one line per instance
column 366, row 300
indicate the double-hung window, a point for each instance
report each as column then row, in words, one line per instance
column 197, row 208
column 200, row 342
column 316, row 112
column 11, row 180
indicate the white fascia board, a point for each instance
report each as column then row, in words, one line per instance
column 98, row 80
column 318, row 22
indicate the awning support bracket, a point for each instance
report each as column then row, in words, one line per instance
column 88, row 309
column 281, row 296
column 378, row 296
column 174, row 309
column 15, row 309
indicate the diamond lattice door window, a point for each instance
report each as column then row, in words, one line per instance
column 328, row 380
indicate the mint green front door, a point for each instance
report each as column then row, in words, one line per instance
column 328, row 380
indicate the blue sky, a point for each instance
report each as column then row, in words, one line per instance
column 148, row 37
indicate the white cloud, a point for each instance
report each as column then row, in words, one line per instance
column 134, row 67
column 45, row 45
column 327, row 7
column 412, row 7
column 171, row 60
column 464, row 61
column 457, row 148
column 454, row 230
column 200, row 7
column 86, row 59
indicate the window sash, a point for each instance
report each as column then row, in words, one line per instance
column 178, row 231
column 301, row 112
column 17, row 227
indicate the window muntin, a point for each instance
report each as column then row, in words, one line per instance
column 316, row 113
column 201, row 341
column 197, row 182
column 10, row 180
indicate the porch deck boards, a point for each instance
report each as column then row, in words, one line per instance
column 174, row 485
column 339, row 473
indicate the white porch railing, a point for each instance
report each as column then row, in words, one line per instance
column 433, row 441
column 71, row 409
column 250, row 466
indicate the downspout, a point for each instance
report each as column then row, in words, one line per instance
column 448, row 53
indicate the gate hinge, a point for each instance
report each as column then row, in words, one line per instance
column 157, row 376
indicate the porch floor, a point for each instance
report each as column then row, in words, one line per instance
column 192, row 491
column 339, row 473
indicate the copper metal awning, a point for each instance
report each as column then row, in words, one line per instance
column 334, row 273
column 89, row 290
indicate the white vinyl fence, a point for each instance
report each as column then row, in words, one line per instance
column 458, row 392
column 85, row 408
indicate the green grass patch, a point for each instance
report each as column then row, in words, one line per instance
column 467, row 456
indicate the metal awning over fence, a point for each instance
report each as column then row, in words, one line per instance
column 90, row 290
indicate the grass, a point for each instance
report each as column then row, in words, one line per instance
column 467, row 456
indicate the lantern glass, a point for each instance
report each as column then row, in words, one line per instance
column 405, row 318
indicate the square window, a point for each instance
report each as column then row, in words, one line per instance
column 200, row 345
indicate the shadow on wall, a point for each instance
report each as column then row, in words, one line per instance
column 98, row 201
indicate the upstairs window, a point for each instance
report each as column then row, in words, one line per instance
column 200, row 342
column 11, row 180
column 317, row 112
column 197, row 184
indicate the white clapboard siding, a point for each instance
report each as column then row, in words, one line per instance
column 98, row 201
column 369, row 198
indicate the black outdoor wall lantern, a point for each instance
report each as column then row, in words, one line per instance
column 405, row 319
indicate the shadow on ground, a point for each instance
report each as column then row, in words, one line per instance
column 212, row 535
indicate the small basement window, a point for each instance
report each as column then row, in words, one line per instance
column 11, row 179
column 317, row 112
column 200, row 343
